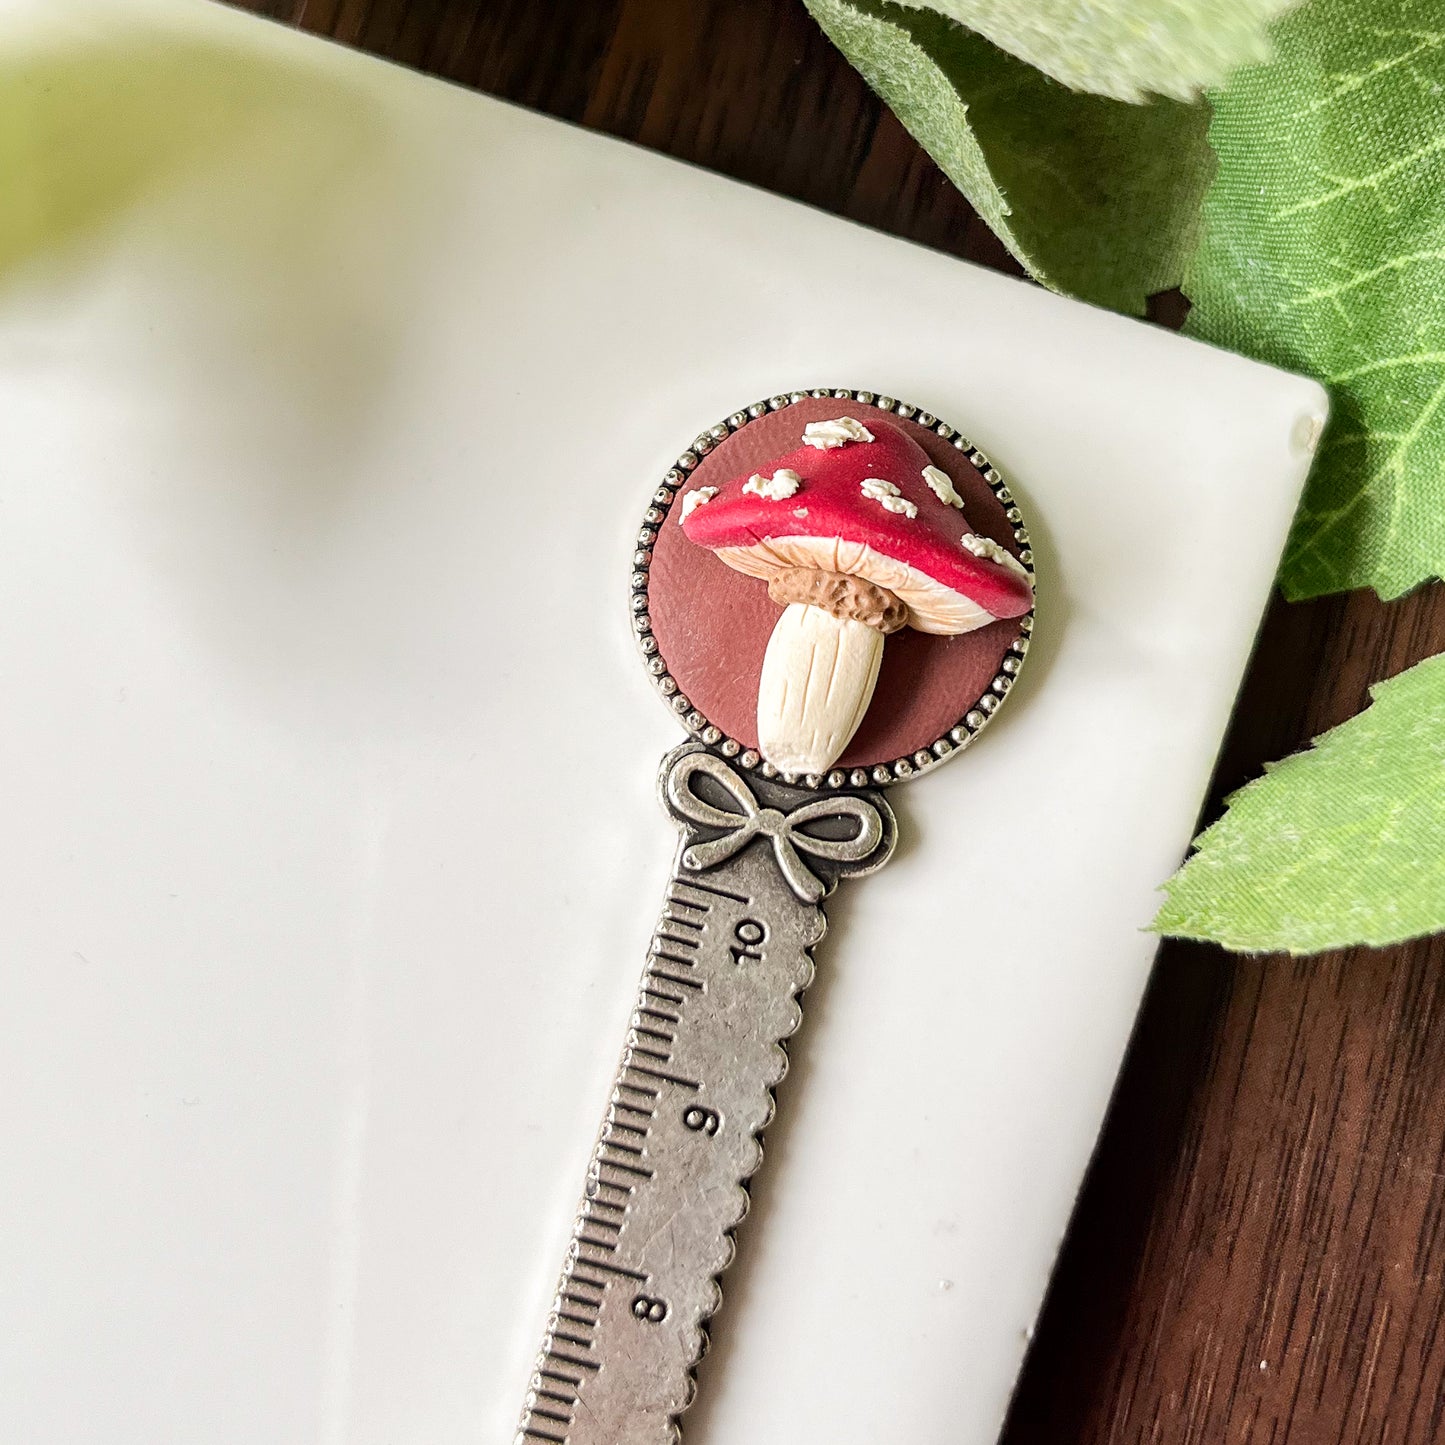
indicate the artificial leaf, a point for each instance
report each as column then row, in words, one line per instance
column 1324, row 251
column 1339, row 845
column 1096, row 198
column 1125, row 48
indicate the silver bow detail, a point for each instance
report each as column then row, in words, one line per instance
column 782, row 829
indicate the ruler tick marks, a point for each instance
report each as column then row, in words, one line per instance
column 616, row 1269
column 586, row 1344
column 673, row 897
column 666, row 1078
column 627, row 1169
column 710, row 888
column 633, row 1109
column 674, row 978
column 578, row 1364
column 672, row 1164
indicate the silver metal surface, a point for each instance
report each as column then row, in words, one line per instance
column 667, row 1183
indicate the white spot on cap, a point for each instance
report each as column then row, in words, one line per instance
column 836, row 433
column 887, row 496
column 942, row 485
column 691, row 501
column 776, row 488
column 988, row 548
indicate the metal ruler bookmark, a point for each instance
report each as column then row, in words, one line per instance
column 666, row 1186
column 839, row 519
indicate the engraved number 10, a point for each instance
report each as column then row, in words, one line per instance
column 750, row 935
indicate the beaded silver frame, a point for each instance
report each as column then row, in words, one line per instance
column 974, row 718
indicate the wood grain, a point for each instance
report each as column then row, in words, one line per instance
column 1258, row 1254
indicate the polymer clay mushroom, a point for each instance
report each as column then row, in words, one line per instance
column 856, row 535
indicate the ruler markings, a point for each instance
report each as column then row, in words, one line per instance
column 666, row 1078
column 606, row 1268
column 626, row 1148
column 590, row 1365
column 715, row 891
column 634, row 1109
column 597, row 1223
column 605, row 1312
column 627, row 1168
column 585, row 1343
column 606, row 1244
column 672, row 897
column 673, row 978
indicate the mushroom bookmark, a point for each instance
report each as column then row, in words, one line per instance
column 833, row 591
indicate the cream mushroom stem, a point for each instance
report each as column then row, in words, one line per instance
column 821, row 666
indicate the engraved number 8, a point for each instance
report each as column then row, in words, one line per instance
column 654, row 1311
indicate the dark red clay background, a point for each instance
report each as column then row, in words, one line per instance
column 712, row 624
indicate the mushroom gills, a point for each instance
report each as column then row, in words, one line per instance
column 818, row 677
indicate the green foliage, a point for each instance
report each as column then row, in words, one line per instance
column 1096, row 198
column 1125, row 48
column 1342, row 844
column 1324, row 252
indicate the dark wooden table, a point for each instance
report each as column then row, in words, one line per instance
column 1259, row 1251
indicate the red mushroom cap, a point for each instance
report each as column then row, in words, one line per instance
column 831, row 523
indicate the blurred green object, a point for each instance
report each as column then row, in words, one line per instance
column 1324, row 252
column 1127, row 49
column 1342, row 844
column 1096, row 198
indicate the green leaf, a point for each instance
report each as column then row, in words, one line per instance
column 1339, row 845
column 1324, row 251
column 1096, row 198
column 1125, row 48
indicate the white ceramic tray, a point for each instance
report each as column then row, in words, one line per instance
column 330, row 397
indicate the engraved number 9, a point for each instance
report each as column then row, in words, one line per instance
column 701, row 1121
